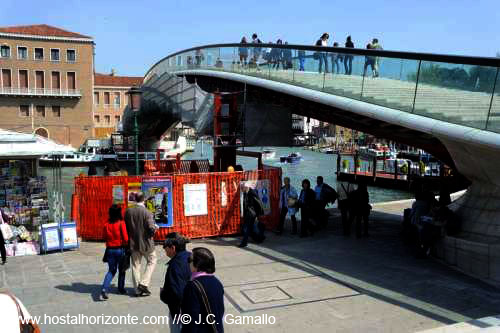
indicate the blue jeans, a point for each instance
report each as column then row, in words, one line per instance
column 348, row 64
column 114, row 256
column 323, row 59
column 336, row 65
column 301, row 63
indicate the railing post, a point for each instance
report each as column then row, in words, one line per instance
column 362, row 85
column 416, row 86
column 491, row 101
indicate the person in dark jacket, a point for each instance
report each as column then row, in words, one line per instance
column 348, row 57
column 206, row 316
column 306, row 203
column 324, row 194
column 361, row 209
column 252, row 208
column 276, row 56
column 116, row 236
column 177, row 276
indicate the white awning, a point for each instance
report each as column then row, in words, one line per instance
column 22, row 145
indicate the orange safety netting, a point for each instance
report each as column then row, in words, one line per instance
column 93, row 197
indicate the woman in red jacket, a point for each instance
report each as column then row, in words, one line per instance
column 116, row 237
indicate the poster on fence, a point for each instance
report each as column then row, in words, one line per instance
column 195, row 199
column 133, row 189
column 262, row 188
column 158, row 199
column 118, row 194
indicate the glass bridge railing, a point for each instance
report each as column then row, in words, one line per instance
column 455, row 89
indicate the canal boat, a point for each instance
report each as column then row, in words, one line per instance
column 291, row 158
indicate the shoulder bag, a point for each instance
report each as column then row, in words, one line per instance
column 204, row 298
column 125, row 261
column 25, row 325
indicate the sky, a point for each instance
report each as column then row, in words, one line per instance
column 131, row 36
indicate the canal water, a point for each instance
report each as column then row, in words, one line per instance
column 312, row 165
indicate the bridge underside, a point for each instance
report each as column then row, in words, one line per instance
column 281, row 102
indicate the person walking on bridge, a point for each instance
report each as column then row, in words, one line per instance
column 336, row 58
column 348, row 57
column 369, row 61
column 256, row 50
column 376, row 46
column 322, row 41
column 243, row 52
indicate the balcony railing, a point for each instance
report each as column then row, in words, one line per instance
column 9, row 91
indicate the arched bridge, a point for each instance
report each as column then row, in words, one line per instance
column 447, row 105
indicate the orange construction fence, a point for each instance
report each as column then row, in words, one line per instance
column 93, row 197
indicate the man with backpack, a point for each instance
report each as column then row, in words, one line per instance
column 252, row 209
column 325, row 194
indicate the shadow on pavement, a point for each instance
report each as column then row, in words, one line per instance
column 381, row 266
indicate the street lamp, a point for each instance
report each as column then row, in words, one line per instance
column 135, row 105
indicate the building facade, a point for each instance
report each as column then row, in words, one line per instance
column 46, row 82
column 110, row 100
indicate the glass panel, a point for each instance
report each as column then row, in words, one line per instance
column 458, row 94
column 227, row 57
column 281, row 65
column 307, row 75
column 494, row 118
column 347, row 85
column 388, row 82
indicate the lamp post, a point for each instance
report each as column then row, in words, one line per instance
column 135, row 105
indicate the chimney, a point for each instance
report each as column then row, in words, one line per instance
column 113, row 72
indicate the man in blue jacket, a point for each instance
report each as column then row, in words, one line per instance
column 176, row 278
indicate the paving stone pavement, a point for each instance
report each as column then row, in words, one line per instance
column 325, row 283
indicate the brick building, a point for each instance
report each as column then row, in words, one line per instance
column 46, row 82
column 110, row 101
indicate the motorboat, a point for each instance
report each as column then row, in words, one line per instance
column 291, row 158
column 329, row 151
column 268, row 153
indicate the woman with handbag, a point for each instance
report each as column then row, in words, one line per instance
column 203, row 298
column 288, row 203
column 115, row 233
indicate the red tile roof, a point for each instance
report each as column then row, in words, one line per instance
column 41, row 30
column 117, row 81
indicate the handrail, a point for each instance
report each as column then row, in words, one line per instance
column 455, row 59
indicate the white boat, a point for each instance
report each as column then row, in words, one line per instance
column 268, row 153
